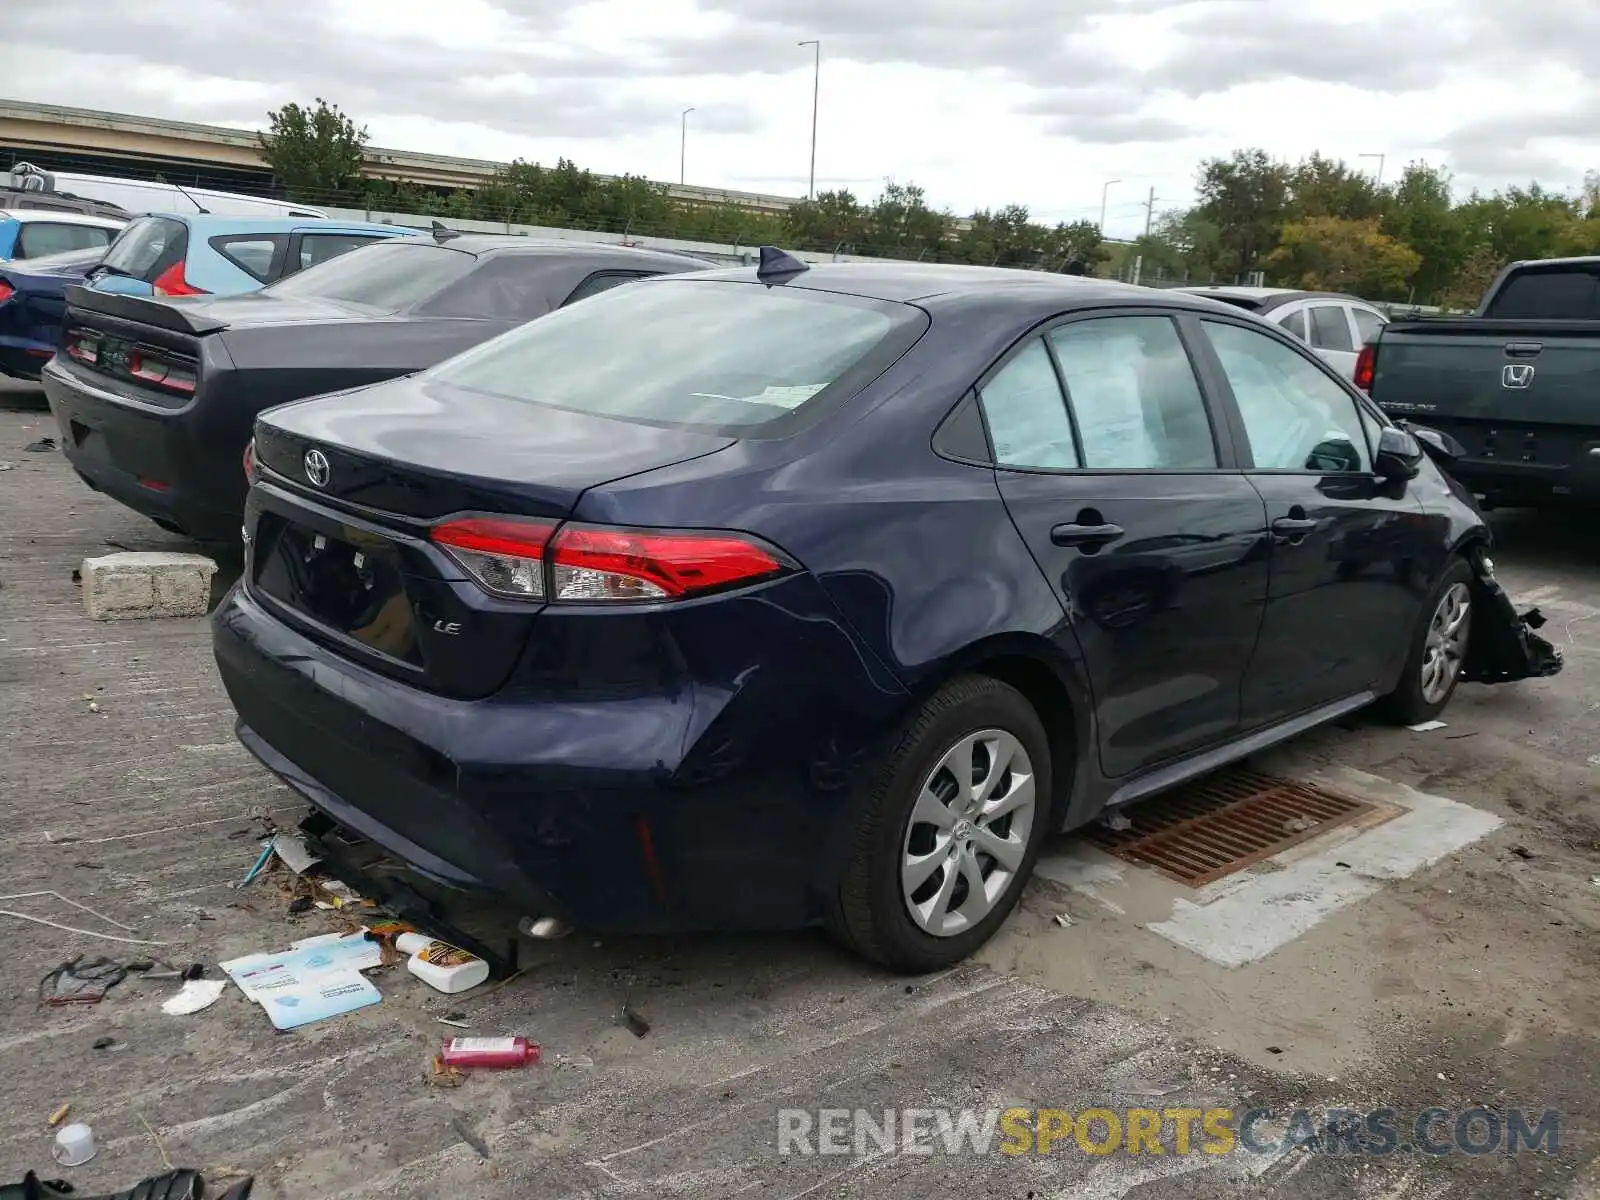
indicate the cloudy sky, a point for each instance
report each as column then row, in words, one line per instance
column 982, row 102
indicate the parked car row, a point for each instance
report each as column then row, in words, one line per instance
column 649, row 597
column 1334, row 325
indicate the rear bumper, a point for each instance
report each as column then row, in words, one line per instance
column 163, row 463
column 692, row 806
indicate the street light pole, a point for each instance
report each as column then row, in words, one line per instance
column 683, row 146
column 816, row 88
column 1379, row 157
column 1105, row 191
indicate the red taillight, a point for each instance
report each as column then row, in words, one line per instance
column 250, row 461
column 592, row 562
column 172, row 283
column 152, row 368
column 83, row 347
column 1366, row 366
column 595, row 563
column 6, row 291
column 505, row 555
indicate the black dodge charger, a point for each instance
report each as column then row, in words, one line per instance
column 155, row 398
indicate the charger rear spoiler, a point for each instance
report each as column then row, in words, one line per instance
column 178, row 318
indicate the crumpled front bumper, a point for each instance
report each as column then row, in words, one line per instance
column 1504, row 647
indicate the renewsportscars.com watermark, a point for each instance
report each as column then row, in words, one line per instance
column 1171, row 1131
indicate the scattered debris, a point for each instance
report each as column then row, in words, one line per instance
column 1298, row 824
column 77, row 575
column 74, row 1145
column 1426, row 726
column 1119, row 822
column 81, row 981
column 636, row 1024
column 490, row 1052
column 43, row 446
column 156, row 1138
column 8, row 466
column 292, row 849
column 1063, row 919
column 442, row 967
column 1595, row 879
column 105, row 1043
column 455, row 1020
column 316, row 978
column 301, row 905
column 110, row 937
column 1274, row 1049
column 1345, row 865
column 1522, row 852
column 260, row 864
column 193, row 996
column 444, row 1075
column 58, row 1116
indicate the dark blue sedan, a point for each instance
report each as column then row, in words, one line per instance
column 769, row 598
column 32, row 303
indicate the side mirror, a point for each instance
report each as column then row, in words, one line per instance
column 1399, row 455
column 1438, row 446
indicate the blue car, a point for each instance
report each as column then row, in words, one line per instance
column 164, row 255
column 193, row 254
column 762, row 598
column 33, row 304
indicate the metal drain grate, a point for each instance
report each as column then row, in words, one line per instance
column 1224, row 823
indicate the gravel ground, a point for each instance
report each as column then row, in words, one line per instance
column 1472, row 981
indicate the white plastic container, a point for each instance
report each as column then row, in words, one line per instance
column 74, row 1145
column 442, row 967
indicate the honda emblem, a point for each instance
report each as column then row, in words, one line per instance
column 1516, row 375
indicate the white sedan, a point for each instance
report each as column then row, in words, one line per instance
column 1335, row 326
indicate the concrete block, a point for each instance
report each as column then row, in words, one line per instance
column 127, row 585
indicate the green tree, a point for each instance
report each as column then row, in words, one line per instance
column 1333, row 254
column 1246, row 197
column 900, row 224
column 1326, row 187
column 1421, row 213
column 1003, row 237
column 316, row 152
column 834, row 220
column 1471, row 280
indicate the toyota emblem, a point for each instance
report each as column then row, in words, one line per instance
column 317, row 468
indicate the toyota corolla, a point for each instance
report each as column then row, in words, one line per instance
column 785, row 596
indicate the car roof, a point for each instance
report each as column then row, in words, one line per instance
column 60, row 217
column 623, row 256
column 911, row 281
column 1265, row 299
column 209, row 224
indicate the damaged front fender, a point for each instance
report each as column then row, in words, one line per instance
column 1503, row 646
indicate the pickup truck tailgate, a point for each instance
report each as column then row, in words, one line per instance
column 1523, row 397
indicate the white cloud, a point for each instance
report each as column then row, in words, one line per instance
column 982, row 102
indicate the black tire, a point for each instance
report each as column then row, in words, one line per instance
column 1407, row 705
column 870, row 913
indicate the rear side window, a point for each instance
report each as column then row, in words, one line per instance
column 1329, row 328
column 147, row 247
column 38, row 238
column 252, row 253
column 504, row 287
column 603, row 281
column 1027, row 413
column 320, row 247
column 1567, row 293
column 391, row 275
column 1134, row 393
column 732, row 358
column 1295, row 323
column 1367, row 323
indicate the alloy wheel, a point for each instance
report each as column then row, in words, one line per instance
column 968, row 832
column 1446, row 645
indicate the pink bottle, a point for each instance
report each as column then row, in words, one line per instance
column 490, row 1052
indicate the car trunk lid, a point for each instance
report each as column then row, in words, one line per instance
column 352, row 485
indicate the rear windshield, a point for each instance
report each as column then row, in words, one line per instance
column 146, row 247
column 387, row 277
column 723, row 357
column 1564, row 293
